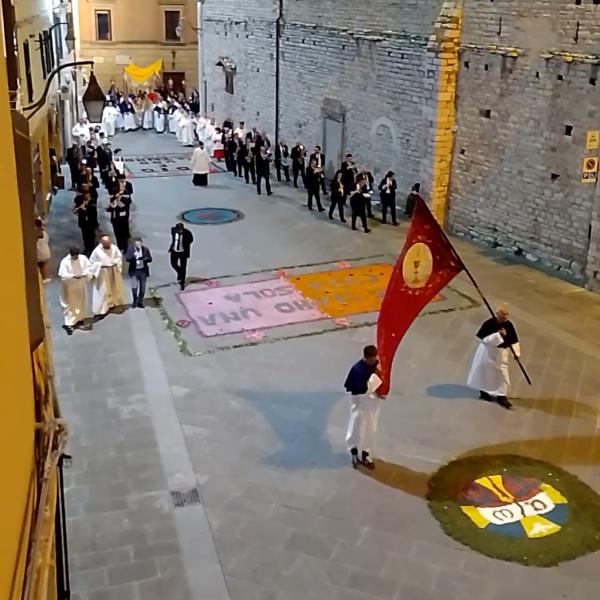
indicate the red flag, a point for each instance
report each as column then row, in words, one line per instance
column 428, row 262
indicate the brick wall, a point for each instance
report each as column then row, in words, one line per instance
column 523, row 113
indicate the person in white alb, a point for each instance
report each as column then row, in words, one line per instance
column 81, row 132
column 74, row 272
column 200, row 166
column 107, row 265
column 489, row 370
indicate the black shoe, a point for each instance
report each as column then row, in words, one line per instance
column 182, row 285
column 310, row 208
column 367, row 231
column 395, row 224
column 259, row 193
column 354, row 455
column 485, row 396
column 366, row 460
column 321, row 209
column 68, row 329
column 140, row 304
column 354, row 229
column 343, row 220
column 503, row 402
column 383, row 221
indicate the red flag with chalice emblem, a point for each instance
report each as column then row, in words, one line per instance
column 428, row 262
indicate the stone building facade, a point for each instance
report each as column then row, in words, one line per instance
column 488, row 104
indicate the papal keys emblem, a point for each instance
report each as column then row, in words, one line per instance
column 514, row 506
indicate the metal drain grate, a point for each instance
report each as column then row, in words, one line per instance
column 183, row 498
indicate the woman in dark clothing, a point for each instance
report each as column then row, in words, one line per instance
column 412, row 198
column 337, row 195
column 387, row 190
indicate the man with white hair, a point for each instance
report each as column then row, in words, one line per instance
column 74, row 272
column 81, row 132
column 107, row 265
column 489, row 371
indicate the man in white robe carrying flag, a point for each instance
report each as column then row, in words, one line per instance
column 74, row 272
column 109, row 291
column 489, row 372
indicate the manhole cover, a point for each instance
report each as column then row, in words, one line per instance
column 212, row 216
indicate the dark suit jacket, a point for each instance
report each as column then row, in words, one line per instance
column 316, row 156
column 279, row 154
column 188, row 240
column 130, row 258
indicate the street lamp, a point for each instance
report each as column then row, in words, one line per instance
column 93, row 99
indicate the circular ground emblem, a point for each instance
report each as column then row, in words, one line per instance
column 211, row 216
column 516, row 508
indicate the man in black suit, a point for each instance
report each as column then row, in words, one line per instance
column 179, row 250
column 298, row 167
column 263, row 170
column 138, row 257
column 282, row 160
column 319, row 159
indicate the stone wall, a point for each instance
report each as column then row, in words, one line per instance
column 363, row 63
column 524, row 110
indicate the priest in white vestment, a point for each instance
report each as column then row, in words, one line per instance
column 160, row 112
column 200, row 166
column 187, row 130
column 74, row 272
column 148, row 114
column 109, row 117
column 489, row 371
column 180, row 119
column 81, row 132
column 109, row 290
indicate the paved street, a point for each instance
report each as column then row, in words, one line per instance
column 245, row 430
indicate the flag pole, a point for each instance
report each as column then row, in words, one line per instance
column 485, row 300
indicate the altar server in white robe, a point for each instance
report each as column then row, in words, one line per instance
column 179, row 122
column 74, row 272
column 489, row 371
column 148, row 116
column 209, row 136
column 129, row 116
column 173, row 117
column 109, row 290
column 109, row 117
column 188, row 130
column 160, row 117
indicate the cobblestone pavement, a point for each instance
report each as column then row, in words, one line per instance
column 258, row 430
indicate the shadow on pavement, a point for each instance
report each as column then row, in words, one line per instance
column 558, row 407
column 450, row 391
column 299, row 420
column 398, row 477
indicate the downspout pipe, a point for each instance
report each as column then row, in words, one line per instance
column 278, row 34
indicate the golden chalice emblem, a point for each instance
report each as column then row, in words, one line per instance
column 417, row 266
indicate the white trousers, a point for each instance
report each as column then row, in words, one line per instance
column 362, row 426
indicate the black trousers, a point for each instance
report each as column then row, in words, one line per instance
column 240, row 167
column 299, row 170
column 230, row 162
column 121, row 230
column 249, row 172
column 323, row 185
column 363, row 217
column 369, row 207
column 388, row 203
column 179, row 263
column 339, row 202
column 267, row 179
column 313, row 192
column 88, row 235
column 286, row 171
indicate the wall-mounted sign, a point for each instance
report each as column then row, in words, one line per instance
column 590, row 169
column 124, row 59
column 593, row 140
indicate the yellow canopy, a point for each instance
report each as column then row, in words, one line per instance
column 141, row 75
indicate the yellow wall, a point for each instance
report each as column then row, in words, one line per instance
column 138, row 32
column 446, row 40
column 16, row 390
